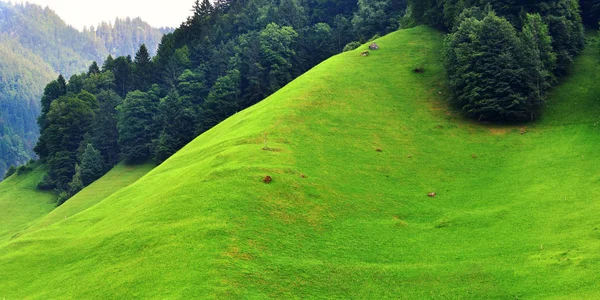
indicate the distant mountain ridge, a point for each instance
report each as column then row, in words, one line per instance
column 35, row 46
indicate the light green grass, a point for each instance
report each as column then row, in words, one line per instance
column 516, row 214
column 21, row 204
column 118, row 178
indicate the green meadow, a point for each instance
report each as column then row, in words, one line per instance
column 353, row 148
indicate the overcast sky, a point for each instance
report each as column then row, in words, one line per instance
column 79, row 13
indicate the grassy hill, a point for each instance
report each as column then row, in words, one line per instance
column 118, row 178
column 515, row 213
column 21, row 204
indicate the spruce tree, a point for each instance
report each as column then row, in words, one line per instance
column 136, row 125
column 92, row 165
column 485, row 70
column 143, row 70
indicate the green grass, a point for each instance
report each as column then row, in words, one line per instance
column 118, row 178
column 516, row 214
column 21, row 204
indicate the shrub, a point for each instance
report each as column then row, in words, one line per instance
column 351, row 46
column 12, row 170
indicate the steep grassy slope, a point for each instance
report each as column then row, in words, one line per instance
column 118, row 178
column 515, row 215
column 21, row 204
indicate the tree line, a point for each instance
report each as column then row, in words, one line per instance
column 226, row 57
column 502, row 57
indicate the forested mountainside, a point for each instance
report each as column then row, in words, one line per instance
column 226, row 57
column 35, row 46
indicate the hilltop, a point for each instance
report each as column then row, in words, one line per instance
column 353, row 147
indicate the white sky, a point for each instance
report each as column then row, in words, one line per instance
column 80, row 13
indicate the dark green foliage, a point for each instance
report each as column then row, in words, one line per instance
column 93, row 69
column 142, row 69
column 374, row 17
column 351, row 46
column 485, row 70
column 12, row 170
column 541, row 60
column 122, row 68
column 97, row 83
column 179, row 123
column 68, row 120
column 136, row 125
column 276, row 45
column 222, row 101
column 590, row 12
column 104, row 132
column 551, row 35
column 92, row 165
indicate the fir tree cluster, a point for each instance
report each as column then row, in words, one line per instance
column 502, row 57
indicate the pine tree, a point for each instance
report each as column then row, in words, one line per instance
column 223, row 100
column 92, row 165
column 105, row 135
column 178, row 118
column 143, row 69
column 485, row 70
column 94, row 69
column 136, row 125
column 541, row 60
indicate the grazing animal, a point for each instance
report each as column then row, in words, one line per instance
column 267, row 179
column 379, row 150
column 364, row 53
column 432, row 194
column 302, row 176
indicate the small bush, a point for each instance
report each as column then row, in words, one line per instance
column 12, row 170
column 46, row 183
column 62, row 198
column 24, row 169
column 351, row 46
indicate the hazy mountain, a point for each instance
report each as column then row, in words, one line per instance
column 35, row 46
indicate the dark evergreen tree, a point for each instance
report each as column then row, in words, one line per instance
column 143, row 69
column 276, row 44
column 123, row 71
column 485, row 70
column 136, row 125
column 94, row 69
column 108, row 64
column 541, row 60
column 68, row 121
column 223, row 100
column 178, row 118
column 105, row 135
column 92, row 165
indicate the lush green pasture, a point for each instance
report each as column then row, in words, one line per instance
column 21, row 204
column 118, row 178
column 516, row 212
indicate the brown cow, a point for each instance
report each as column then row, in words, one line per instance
column 432, row 194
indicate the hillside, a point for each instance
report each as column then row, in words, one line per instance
column 21, row 204
column 515, row 214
